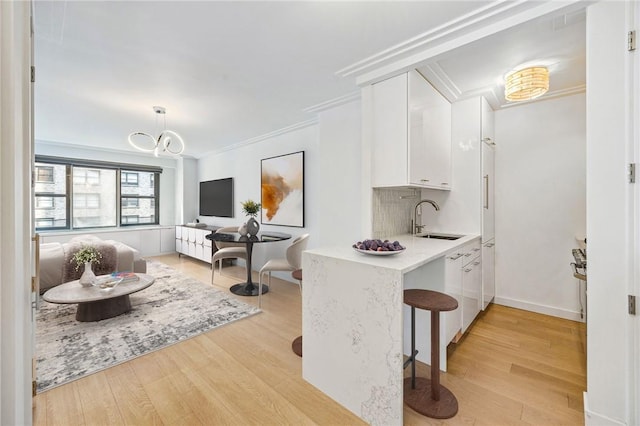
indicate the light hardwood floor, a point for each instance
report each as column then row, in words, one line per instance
column 512, row 367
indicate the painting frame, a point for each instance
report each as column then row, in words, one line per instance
column 282, row 190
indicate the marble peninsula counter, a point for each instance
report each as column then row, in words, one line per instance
column 353, row 321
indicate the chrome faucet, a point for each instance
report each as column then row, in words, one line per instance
column 418, row 228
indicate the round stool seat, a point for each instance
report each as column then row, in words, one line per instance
column 430, row 300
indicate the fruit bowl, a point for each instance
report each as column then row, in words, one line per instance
column 378, row 247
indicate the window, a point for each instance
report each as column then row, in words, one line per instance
column 44, row 174
column 75, row 194
column 130, row 219
column 129, row 179
column 51, row 196
column 44, row 202
column 138, row 203
column 130, row 203
column 84, row 176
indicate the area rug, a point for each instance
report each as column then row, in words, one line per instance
column 176, row 307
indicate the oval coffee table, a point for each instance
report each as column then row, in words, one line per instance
column 95, row 304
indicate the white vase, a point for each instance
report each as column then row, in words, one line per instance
column 253, row 227
column 88, row 277
column 243, row 230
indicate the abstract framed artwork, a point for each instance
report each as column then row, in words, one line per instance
column 282, row 187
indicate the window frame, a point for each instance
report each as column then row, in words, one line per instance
column 69, row 164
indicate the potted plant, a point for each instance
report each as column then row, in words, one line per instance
column 251, row 208
column 86, row 256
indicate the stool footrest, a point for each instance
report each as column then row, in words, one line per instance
column 411, row 359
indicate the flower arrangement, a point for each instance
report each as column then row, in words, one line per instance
column 250, row 208
column 86, row 254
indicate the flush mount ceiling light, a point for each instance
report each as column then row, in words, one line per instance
column 168, row 141
column 526, row 84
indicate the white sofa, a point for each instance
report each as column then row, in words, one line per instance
column 55, row 267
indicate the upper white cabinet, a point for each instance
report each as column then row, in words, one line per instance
column 411, row 140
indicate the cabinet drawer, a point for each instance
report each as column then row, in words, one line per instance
column 470, row 251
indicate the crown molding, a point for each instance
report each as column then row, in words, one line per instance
column 488, row 20
column 332, row 103
column 282, row 131
column 441, row 81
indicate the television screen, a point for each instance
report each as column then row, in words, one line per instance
column 216, row 198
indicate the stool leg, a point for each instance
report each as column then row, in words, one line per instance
column 413, row 347
column 435, row 355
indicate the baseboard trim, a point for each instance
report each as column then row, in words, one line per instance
column 540, row 309
column 595, row 419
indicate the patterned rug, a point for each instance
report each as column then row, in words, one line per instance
column 174, row 308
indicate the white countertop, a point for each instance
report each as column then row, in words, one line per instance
column 418, row 252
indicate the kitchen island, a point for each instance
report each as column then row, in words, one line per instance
column 353, row 321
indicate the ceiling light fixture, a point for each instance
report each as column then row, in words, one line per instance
column 526, row 84
column 168, row 141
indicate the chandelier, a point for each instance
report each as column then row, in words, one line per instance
column 167, row 141
column 526, row 84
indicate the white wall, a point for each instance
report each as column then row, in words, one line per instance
column 243, row 165
column 339, row 221
column 540, row 199
column 167, row 177
column 609, row 202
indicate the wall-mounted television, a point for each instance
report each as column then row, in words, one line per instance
column 216, row 198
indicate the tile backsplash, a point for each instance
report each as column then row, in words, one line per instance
column 392, row 210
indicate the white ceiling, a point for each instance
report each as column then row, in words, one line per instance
column 227, row 72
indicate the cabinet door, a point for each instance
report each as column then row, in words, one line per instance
column 178, row 232
column 389, row 144
column 179, row 246
column 488, row 273
column 488, row 168
column 488, row 188
column 200, row 233
column 471, row 291
column 429, row 135
column 452, row 320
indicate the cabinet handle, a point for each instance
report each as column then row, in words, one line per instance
column 467, row 254
column 486, row 192
column 455, row 256
column 467, row 270
column 475, row 249
column 424, row 180
column 489, row 245
column 444, row 183
column 477, row 262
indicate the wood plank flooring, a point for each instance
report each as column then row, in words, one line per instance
column 512, row 367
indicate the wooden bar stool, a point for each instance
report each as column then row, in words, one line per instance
column 428, row 396
column 296, row 345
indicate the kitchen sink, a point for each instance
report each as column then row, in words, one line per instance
column 438, row 236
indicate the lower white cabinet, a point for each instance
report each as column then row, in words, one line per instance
column 193, row 242
column 463, row 274
column 471, row 291
column 488, row 272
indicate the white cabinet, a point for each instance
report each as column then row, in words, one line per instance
column 488, row 273
column 471, row 291
column 458, row 284
column 411, row 138
column 193, row 242
column 472, row 203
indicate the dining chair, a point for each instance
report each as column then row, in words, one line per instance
column 291, row 262
column 227, row 250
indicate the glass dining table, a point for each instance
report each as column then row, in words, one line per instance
column 248, row 288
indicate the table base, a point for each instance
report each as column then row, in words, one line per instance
column 247, row 289
column 421, row 400
column 103, row 309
